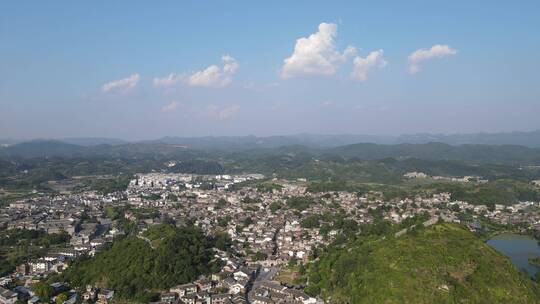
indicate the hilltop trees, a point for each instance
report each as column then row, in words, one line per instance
column 164, row 257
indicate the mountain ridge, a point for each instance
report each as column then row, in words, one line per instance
column 521, row 138
column 510, row 154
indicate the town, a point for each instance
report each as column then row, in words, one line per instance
column 273, row 224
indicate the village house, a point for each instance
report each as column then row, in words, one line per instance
column 7, row 296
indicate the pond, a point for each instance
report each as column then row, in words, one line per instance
column 519, row 248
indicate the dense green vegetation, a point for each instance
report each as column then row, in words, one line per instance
column 495, row 192
column 312, row 221
column 444, row 263
column 43, row 290
column 134, row 267
column 268, row 187
column 198, row 167
column 30, row 166
column 109, row 185
column 502, row 191
column 19, row 245
column 440, row 151
column 535, row 261
column 275, row 206
column 299, row 203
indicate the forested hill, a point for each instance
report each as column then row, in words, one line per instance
column 366, row 151
column 441, row 264
column 136, row 266
column 440, row 151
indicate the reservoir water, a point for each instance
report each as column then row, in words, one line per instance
column 519, row 248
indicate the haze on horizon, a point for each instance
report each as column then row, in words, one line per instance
column 136, row 70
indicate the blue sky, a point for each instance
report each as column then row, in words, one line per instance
column 73, row 68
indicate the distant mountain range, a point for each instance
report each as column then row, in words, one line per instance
column 242, row 149
column 517, row 147
column 93, row 141
column 527, row 139
column 80, row 141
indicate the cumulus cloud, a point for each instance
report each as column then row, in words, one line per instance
column 362, row 66
column 121, row 85
column 420, row 55
column 170, row 107
column 213, row 76
column 316, row 54
column 223, row 112
column 168, row 81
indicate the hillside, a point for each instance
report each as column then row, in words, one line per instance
column 239, row 150
column 440, row 151
column 529, row 139
column 441, row 264
column 134, row 267
column 41, row 148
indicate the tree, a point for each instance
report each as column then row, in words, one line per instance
column 300, row 203
column 259, row 256
column 249, row 200
column 132, row 266
column 293, row 262
column 43, row 290
column 61, row 298
column 275, row 206
column 224, row 221
column 221, row 203
column 302, row 269
column 537, row 277
column 112, row 213
column 312, row 221
column 247, row 221
column 222, row 241
column 172, row 197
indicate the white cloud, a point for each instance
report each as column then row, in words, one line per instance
column 170, row 107
column 420, row 55
column 168, row 81
column 213, row 76
column 316, row 54
column 121, row 85
column 230, row 66
column 224, row 112
column 362, row 66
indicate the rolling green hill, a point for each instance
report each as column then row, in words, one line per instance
column 444, row 263
column 134, row 267
column 495, row 154
column 439, row 151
